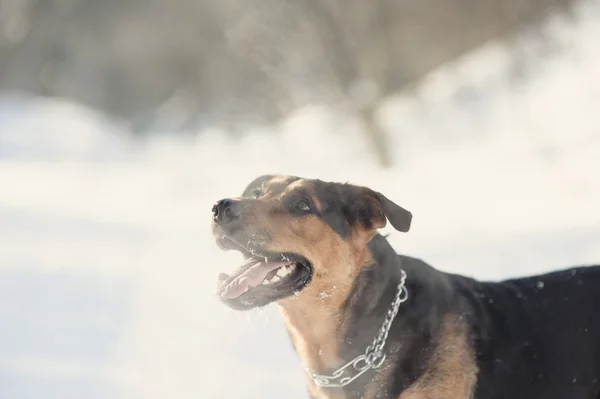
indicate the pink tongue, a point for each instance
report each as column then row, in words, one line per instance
column 250, row 278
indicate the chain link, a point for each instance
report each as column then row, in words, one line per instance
column 374, row 356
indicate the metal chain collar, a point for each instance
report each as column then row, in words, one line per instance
column 373, row 357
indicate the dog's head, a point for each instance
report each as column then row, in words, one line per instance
column 298, row 235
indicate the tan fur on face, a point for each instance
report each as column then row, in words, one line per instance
column 452, row 371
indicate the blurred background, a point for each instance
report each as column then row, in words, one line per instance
column 121, row 122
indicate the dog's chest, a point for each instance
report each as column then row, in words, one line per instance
column 315, row 343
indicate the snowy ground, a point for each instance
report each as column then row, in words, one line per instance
column 107, row 267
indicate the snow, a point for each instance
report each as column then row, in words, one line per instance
column 107, row 266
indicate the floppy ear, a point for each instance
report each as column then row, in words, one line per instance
column 399, row 217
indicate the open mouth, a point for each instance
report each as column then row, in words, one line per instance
column 266, row 277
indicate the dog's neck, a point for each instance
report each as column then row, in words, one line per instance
column 330, row 327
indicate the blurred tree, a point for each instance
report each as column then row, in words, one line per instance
column 179, row 64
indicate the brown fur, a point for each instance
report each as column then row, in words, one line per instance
column 313, row 318
column 452, row 371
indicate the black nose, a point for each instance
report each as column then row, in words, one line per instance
column 226, row 211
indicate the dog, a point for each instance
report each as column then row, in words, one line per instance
column 369, row 323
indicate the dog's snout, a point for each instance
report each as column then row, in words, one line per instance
column 226, row 210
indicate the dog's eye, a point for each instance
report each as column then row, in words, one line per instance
column 303, row 205
column 257, row 192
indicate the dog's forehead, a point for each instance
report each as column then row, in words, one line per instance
column 282, row 185
column 273, row 183
column 318, row 189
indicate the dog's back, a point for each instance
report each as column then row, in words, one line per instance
column 540, row 336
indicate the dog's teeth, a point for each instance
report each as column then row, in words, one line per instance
column 265, row 282
column 275, row 279
column 282, row 272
